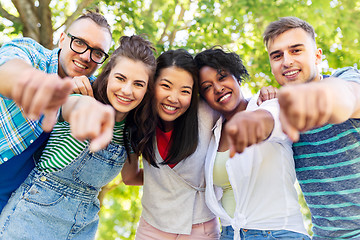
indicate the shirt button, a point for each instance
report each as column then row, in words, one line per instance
column 5, row 159
column 43, row 178
column 31, row 141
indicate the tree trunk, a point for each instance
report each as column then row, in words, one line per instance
column 29, row 18
column 46, row 28
column 36, row 20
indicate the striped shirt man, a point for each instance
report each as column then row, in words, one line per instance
column 327, row 162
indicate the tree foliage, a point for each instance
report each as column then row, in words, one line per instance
column 120, row 211
column 193, row 25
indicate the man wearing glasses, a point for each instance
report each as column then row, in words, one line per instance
column 40, row 80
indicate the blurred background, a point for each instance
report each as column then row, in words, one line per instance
column 193, row 25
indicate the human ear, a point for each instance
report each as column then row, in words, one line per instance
column 318, row 56
column 61, row 40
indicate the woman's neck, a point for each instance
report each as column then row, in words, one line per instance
column 166, row 126
column 240, row 107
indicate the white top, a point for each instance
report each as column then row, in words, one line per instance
column 174, row 198
column 262, row 178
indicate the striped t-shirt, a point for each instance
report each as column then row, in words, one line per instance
column 62, row 147
column 327, row 162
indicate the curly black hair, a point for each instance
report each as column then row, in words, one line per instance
column 220, row 60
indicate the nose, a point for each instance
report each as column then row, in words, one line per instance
column 288, row 60
column 218, row 88
column 173, row 97
column 127, row 88
column 86, row 56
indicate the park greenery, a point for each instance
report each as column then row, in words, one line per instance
column 236, row 25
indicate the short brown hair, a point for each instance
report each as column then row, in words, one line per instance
column 97, row 18
column 284, row 24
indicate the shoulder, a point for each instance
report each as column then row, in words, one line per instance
column 347, row 73
column 206, row 114
column 23, row 43
column 23, row 48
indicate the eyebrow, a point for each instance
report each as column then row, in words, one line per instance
column 164, row 79
column 296, row 45
column 122, row 75
column 292, row 46
column 203, row 83
column 97, row 48
column 139, row 80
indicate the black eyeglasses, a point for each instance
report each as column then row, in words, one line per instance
column 79, row 46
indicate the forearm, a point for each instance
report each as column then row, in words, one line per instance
column 137, row 180
column 10, row 73
column 266, row 120
column 310, row 105
column 346, row 99
column 246, row 128
column 70, row 105
column 131, row 173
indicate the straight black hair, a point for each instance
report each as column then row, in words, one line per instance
column 185, row 136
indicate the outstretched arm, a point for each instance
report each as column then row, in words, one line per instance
column 35, row 91
column 247, row 128
column 131, row 173
column 89, row 119
column 310, row 105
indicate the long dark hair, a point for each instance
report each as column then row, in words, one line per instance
column 140, row 121
column 185, row 136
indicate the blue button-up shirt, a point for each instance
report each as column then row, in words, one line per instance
column 17, row 131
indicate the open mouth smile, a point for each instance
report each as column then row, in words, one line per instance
column 80, row 65
column 224, row 97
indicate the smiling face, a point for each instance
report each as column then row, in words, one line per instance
column 74, row 64
column 221, row 91
column 173, row 91
column 127, row 85
column 294, row 57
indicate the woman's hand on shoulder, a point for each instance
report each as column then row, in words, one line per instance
column 267, row 93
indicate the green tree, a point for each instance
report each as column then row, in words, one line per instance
column 120, row 211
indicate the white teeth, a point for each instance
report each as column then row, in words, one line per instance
column 291, row 73
column 170, row 108
column 79, row 65
column 123, row 99
column 224, row 97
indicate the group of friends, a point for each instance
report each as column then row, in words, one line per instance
column 208, row 152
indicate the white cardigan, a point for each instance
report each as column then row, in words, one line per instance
column 174, row 198
column 262, row 178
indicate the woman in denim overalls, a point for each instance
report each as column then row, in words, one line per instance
column 59, row 199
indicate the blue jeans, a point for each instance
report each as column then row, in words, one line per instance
column 62, row 204
column 227, row 233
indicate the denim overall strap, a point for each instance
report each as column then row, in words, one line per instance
column 94, row 170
